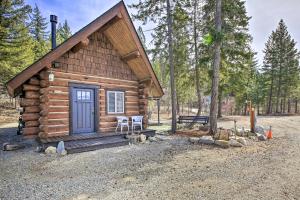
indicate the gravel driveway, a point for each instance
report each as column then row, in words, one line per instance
column 168, row 169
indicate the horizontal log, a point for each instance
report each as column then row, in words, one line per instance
column 32, row 95
column 44, row 75
column 54, row 102
column 30, row 117
column 27, row 87
column 44, row 113
column 54, row 122
column 43, row 120
column 44, row 99
column 55, row 134
column 29, row 102
column 31, row 130
column 44, row 128
column 64, row 96
column 44, row 83
column 97, row 79
column 113, row 86
column 59, row 109
column 44, row 91
column 108, row 124
column 32, row 124
column 58, row 128
column 44, row 106
column 34, row 81
column 32, row 109
column 53, row 115
column 42, row 134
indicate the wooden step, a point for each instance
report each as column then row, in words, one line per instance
column 94, row 144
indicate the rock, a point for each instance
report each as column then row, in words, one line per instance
column 242, row 140
column 133, row 139
column 60, row 147
column 143, row 138
column 261, row 137
column 223, row 134
column 63, row 153
column 260, row 130
column 152, row 139
column 235, row 143
column 206, row 140
column 50, row 150
column 222, row 143
column 194, row 140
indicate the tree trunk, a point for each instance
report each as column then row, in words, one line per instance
column 172, row 81
column 289, row 105
column 216, row 69
column 296, row 106
column 220, row 104
column 278, row 90
column 198, row 89
column 269, row 109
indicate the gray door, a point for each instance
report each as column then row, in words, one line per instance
column 83, row 110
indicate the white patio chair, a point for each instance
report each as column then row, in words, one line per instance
column 136, row 121
column 122, row 121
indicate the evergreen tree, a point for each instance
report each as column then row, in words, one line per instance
column 63, row 32
column 39, row 33
column 281, row 68
column 15, row 41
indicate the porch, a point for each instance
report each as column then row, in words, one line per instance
column 89, row 142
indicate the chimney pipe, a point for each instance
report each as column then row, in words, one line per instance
column 53, row 20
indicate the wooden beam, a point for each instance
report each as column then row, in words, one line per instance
column 82, row 44
column 131, row 55
column 112, row 21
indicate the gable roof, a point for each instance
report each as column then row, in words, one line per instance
column 117, row 25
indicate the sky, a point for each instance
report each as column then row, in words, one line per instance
column 265, row 14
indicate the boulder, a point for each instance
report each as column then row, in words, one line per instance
column 222, row 134
column 60, row 147
column 222, row 143
column 260, row 130
column 143, row 138
column 194, row 140
column 50, row 150
column 152, row 139
column 133, row 139
column 242, row 140
column 261, row 137
column 206, row 140
column 235, row 143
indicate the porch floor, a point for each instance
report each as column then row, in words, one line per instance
column 89, row 142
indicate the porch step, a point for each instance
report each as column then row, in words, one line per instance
column 77, row 146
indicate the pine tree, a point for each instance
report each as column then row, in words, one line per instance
column 281, row 67
column 39, row 33
column 15, row 41
column 63, row 32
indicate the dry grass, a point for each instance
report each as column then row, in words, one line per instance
column 8, row 115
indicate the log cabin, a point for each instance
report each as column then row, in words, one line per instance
column 80, row 86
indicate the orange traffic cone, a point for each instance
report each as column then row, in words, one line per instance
column 269, row 133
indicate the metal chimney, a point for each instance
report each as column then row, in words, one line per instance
column 53, row 20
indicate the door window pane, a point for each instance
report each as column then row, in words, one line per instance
column 78, row 95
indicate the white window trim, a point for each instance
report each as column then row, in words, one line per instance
column 115, row 94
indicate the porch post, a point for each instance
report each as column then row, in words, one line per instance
column 158, row 110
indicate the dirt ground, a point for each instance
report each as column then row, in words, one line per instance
column 171, row 168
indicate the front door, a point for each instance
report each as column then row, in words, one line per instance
column 83, row 110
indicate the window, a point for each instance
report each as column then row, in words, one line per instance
column 115, row 102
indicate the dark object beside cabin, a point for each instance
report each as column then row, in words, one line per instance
column 193, row 119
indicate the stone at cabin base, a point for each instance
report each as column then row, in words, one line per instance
column 50, row 150
column 222, row 143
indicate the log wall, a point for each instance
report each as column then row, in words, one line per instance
column 97, row 64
